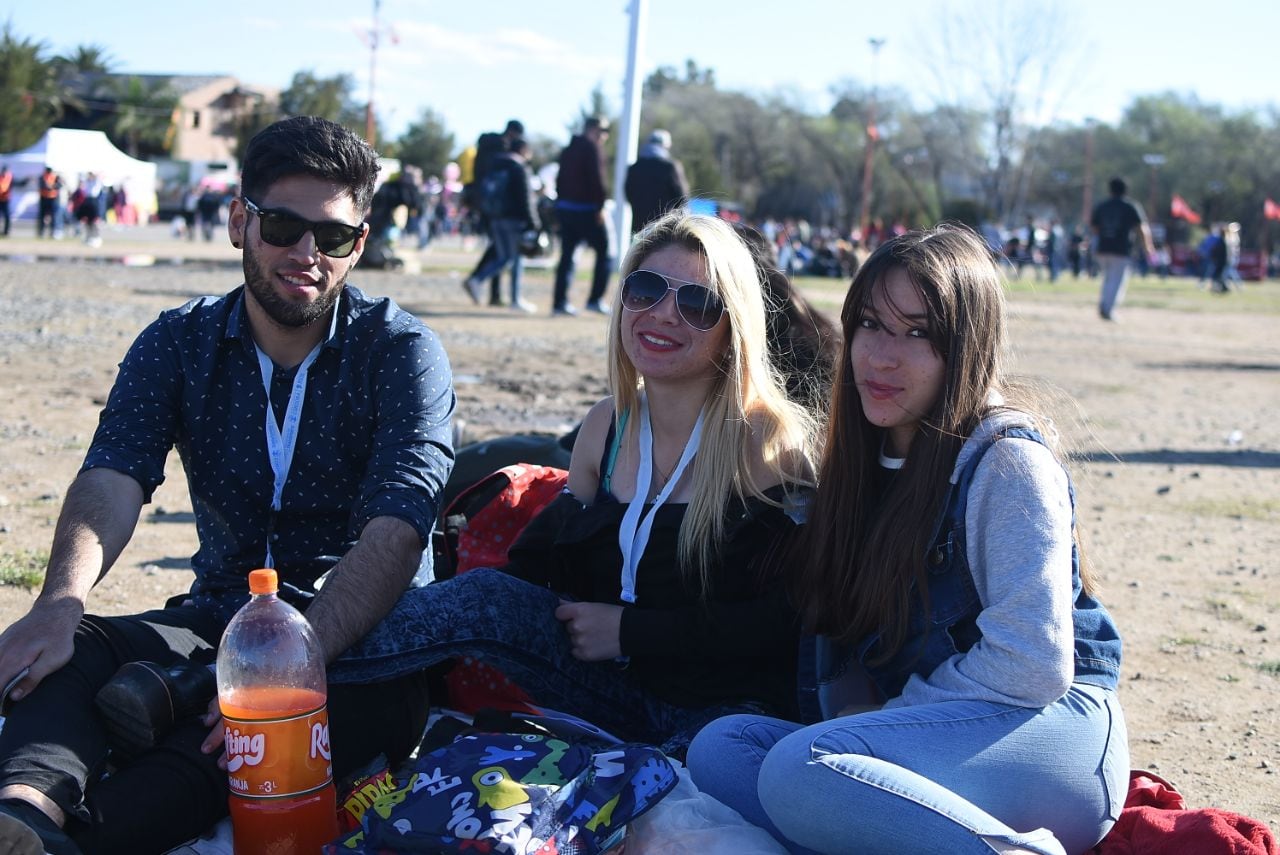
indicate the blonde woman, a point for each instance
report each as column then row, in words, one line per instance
column 647, row 598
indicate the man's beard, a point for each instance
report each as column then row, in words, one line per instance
column 284, row 312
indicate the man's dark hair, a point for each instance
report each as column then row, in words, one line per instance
column 314, row 147
column 1117, row 186
column 514, row 127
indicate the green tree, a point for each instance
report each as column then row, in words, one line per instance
column 141, row 115
column 328, row 97
column 85, row 59
column 427, row 143
column 32, row 97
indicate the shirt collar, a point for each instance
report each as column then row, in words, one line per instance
column 238, row 324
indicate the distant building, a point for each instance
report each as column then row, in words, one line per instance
column 210, row 110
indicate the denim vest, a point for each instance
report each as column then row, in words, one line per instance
column 834, row 674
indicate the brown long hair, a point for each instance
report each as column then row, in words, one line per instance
column 861, row 551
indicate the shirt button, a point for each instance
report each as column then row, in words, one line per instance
column 275, row 538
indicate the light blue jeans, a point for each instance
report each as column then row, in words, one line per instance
column 946, row 777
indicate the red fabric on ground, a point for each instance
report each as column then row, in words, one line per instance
column 1155, row 821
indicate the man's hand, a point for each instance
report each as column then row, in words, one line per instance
column 595, row 630
column 97, row 519
column 43, row 639
column 217, row 736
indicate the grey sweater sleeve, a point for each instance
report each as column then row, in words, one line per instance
column 1018, row 530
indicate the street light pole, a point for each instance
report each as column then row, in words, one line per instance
column 1086, row 197
column 629, row 133
column 370, row 122
column 868, row 163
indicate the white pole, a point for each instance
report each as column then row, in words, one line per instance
column 629, row 133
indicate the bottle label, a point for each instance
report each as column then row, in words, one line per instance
column 275, row 758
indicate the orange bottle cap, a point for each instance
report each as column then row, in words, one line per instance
column 263, row 582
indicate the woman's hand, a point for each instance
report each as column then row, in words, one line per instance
column 595, row 630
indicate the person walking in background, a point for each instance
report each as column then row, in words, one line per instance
column 489, row 147
column 6, row 188
column 89, row 208
column 580, row 197
column 655, row 182
column 1052, row 250
column 1231, row 237
column 1204, row 253
column 190, row 199
column 506, row 197
column 209, row 207
column 1114, row 221
column 49, row 189
column 1219, row 259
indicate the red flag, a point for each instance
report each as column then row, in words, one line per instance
column 1180, row 210
column 1270, row 210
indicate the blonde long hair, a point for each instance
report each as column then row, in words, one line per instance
column 747, row 388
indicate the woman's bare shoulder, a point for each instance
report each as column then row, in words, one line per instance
column 588, row 448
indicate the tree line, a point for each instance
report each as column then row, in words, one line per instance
column 769, row 154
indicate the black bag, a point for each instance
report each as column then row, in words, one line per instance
column 493, row 192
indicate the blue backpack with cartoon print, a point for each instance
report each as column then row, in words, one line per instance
column 519, row 793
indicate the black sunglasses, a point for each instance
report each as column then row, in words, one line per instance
column 698, row 305
column 281, row 228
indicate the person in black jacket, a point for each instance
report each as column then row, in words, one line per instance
column 580, row 196
column 655, row 182
column 506, row 197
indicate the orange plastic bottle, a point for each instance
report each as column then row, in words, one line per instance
column 271, row 689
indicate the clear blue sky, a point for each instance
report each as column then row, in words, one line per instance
column 482, row 62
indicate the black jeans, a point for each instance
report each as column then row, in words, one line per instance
column 52, row 740
column 577, row 227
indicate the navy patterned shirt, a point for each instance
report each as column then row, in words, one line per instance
column 374, row 439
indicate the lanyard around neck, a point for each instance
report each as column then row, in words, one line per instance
column 633, row 534
column 280, row 443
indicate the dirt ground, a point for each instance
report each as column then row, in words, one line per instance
column 1173, row 426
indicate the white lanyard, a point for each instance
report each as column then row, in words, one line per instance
column 633, row 534
column 280, row 444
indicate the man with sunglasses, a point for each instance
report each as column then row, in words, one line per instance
column 313, row 423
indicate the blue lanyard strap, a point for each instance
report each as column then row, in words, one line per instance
column 633, row 534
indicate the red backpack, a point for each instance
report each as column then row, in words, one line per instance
column 480, row 526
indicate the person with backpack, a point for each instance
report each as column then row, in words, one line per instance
column 489, row 146
column 506, row 199
column 647, row 597
column 966, row 671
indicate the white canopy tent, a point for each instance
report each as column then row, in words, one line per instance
column 73, row 154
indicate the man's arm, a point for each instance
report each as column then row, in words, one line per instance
column 365, row 584
column 97, row 519
column 1148, row 243
column 399, row 498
